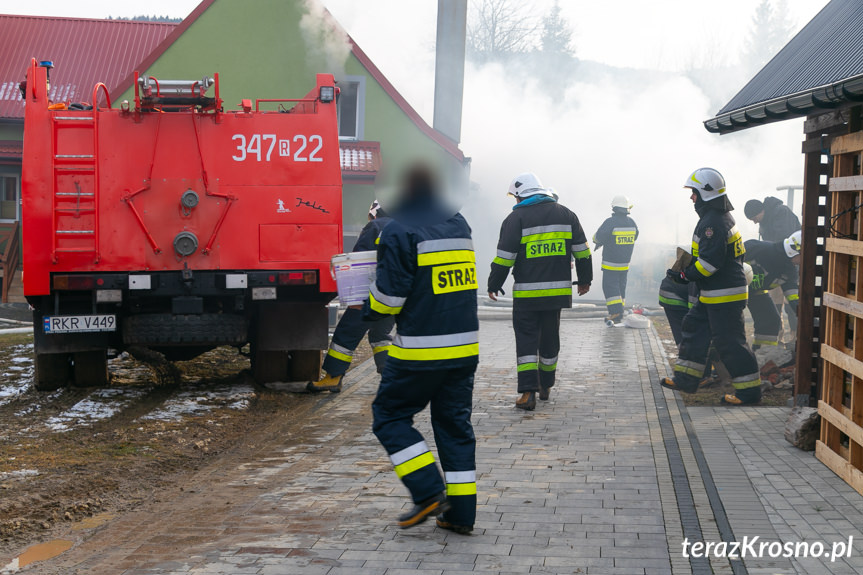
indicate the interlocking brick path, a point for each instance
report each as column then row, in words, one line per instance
column 603, row 478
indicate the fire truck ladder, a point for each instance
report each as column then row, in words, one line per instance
column 69, row 206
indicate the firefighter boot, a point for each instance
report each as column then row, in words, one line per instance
column 731, row 399
column 613, row 319
column 443, row 523
column 331, row 383
column 526, row 401
column 420, row 511
column 544, row 392
column 669, row 383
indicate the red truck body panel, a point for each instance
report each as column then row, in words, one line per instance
column 102, row 188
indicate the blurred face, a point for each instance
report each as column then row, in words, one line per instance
column 796, row 260
column 693, row 196
column 758, row 217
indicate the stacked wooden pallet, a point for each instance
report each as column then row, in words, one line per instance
column 841, row 404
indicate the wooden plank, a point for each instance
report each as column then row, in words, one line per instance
column 839, row 246
column 817, row 124
column 839, row 466
column 806, row 383
column 847, row 144
column 846, row 184
column 838, row 419
column 843, row 304
column 842, row 360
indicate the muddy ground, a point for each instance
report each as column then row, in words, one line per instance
column 713, row 393
column 78, row 452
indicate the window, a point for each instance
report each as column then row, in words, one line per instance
column 8, row 197
column 352, row 99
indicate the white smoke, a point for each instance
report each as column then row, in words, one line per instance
column 327, row 46
column 606, row 135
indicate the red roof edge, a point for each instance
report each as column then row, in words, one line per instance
column 162, row 48
column 444, row 142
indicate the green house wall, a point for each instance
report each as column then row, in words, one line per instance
column 261, row 50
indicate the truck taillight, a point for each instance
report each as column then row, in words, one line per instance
column 74, row 282
column 298, row 278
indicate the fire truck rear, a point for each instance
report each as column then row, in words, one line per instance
column 172, row 225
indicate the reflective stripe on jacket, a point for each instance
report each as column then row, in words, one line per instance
column 426, row 277
column 539, row 241
column 718, row 265
column 616, row 236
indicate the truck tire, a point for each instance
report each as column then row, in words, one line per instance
column 197, row 329
column 305, row 364
column 271, row 366
column 91, row 368
column 53, row 371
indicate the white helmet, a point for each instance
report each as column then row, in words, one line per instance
column 793, row 243
column 526, row 185
column 747, row 271
column 621, row 202
column 373, row 209
column 707, row 182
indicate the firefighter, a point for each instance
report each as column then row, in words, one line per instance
column 352, row 327
column 426, row 278
column 674, row 299
column 718, row 314
column 538, row 240
column 618, row 234
column 776, row 222
column 773, row 263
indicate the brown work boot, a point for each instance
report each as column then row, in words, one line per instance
column 669, row 383
column 526, row 401
column 421, row 511
column 331, row 383
column 460, row 529
column 731, row 399
column 544, row 392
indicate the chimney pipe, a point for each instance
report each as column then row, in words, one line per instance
column 449, row 67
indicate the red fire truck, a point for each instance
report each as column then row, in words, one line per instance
column 170, row 224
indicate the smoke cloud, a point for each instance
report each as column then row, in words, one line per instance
column 327, row 46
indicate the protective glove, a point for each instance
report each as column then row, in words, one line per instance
column 676, row 277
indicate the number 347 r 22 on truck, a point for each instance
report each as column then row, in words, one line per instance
column 172, row 225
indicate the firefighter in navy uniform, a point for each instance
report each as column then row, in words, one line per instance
column 426, row 278
column 674, row 299
column 773, row 263
column 538, row 240
column 618, row 234
column 718, row 313
column 352, row 327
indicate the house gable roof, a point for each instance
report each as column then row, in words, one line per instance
column 820, row 68
column 450, row 146
column 84, row 52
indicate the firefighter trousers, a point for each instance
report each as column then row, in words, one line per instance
column 537, row 343
column 614, row 290
column 348, row 335
column 675, row 315
column 766, row 318
column 402, row 394
column 723, row 323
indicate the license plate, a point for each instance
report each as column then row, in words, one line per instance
column 79, row 323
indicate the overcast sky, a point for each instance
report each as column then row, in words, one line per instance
column 635, row 33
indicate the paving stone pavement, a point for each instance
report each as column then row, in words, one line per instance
column 608, row 477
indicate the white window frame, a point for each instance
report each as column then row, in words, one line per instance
column 361, row 107
column 17, row 177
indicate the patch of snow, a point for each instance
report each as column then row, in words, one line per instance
column 18, row 474
column 200, row 402
column 101, row 404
